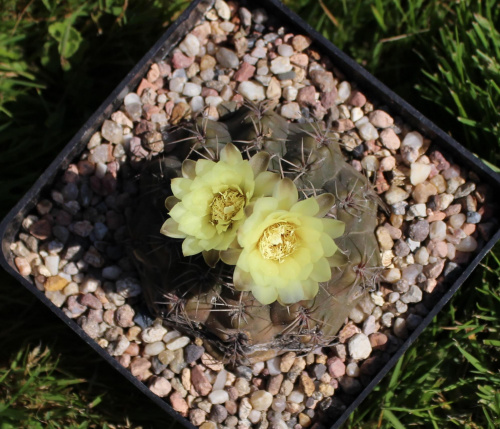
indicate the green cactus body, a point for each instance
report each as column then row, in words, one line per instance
column 202, row 301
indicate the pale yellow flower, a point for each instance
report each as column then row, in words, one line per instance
column 287, row 246
column 209, row 201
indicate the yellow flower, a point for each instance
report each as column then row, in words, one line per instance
column 287, row 246
column 209, row 201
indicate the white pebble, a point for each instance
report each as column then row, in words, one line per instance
column 273, row 366
column 190, row 45
column 131, row 98
column 218, row 396
column 197, row 104
column 437, row 230
column 285, row 50
column 261, row 400
column 468, row 244
column 356, row 114
column 52, row 264
column 359, row 346
column 418, row 210
column 213, row 100
column 251, row 90
column 100, row 170
column 153, row 334
column 223, row 9
column 220, row 380
column 422, row 256
column 178, row 343
column 296, row 397
column 291, row 110
column 281, row 65
column 191, row 89
column 457, row 220
column 154, row 349
column 419, row 173
column 344, row 92
column 370, row 163
column 176, row 84
column 368, row 132
column 413, row 139
column 171, row 335
column 290, row 93
column 352, row 370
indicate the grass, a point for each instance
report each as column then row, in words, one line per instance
column 59, row 60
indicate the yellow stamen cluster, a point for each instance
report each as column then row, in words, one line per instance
column 278, row 241
column 225, row 205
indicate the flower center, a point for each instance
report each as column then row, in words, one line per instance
column 226, row 205
column 278, row 241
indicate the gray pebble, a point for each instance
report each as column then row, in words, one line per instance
column 192, row 353
column 419, row 230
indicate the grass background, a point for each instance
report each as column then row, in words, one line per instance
column 59, row 60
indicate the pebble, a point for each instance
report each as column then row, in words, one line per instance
column 419, row 173
column 227, row 58
column 336, row 367
column 395, row 195
column 154, row 349
column 413, row 295
column 218, row 413
column 251, row 90
column 160, row 386
column 179, row 404
column 218, row 397
column 192, row 353
column 368, row 132
column 468, row 244
column 380, row 119
column 419, row 230
column 261, row 400
column 291, row 110
column 124, row 316
column 178, row 343
column 190, row 45
column 359, row 346
column 23, row 266
column 280, row 65
column 197, row 416
column 307, row 384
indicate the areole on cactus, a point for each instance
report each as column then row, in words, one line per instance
column 291, row 221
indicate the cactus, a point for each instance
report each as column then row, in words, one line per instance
column 202, row 300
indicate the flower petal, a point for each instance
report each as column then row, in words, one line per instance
column 307, row 207
column 333, row 227
column 211, row 257
column 180, row 186
column 310, row 288
column 203, row 166
column 259, row 162
column 170, row 228
column 291, row 294
column 321, row 271
column 286, row 193
column 265, row 183
column 337, row 260
column 265, row 295
column 191, row 246
column 170, row 202
column 230, row 154
column 329, row 246
column 325, row 202
column 189, row 169
column 230, row 256
column 242, row 280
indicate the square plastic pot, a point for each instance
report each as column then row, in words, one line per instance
column 374, row 89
